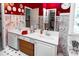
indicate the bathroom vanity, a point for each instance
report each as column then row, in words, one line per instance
column 35, row 44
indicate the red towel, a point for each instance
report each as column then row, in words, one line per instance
column 24, row 32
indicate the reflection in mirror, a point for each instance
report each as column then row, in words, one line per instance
column 27, row 17
column 50, row 19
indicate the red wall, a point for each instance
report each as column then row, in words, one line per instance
column 56, row 6
column 36, row 5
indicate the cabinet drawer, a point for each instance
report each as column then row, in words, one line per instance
column 26, row 44
column 26, row 47
column 24, row 38
column 27, row 51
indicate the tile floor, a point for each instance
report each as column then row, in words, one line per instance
column 11, row 52
column 73, row 53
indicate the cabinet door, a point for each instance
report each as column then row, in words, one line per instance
column 12, row 41
column 10, row 37
column 44, row 49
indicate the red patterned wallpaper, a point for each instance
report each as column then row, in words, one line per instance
column 18, row 8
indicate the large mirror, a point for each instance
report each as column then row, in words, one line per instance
column 32, row 18
column 49, row 19
column 45, row 22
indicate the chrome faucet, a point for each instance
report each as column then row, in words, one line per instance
column 32, row 29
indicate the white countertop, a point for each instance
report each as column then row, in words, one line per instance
column 52, row 39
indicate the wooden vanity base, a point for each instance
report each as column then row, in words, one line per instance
column 26, row 47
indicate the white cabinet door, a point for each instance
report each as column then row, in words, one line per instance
column 44, row 49
column 13, row 41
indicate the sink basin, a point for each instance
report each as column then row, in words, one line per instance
column 50, row 34
column 47, row 33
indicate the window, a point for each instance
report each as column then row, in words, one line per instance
column 76, row 18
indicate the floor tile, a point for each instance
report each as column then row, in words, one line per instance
column 11, row 52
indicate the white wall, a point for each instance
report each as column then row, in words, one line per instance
column 71, row 21
column 3, row 27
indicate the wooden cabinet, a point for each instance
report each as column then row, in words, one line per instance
column 26, row 47
column 37, row 48
column 31, row 46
